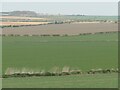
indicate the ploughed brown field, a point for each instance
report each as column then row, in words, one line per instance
column 70, row 29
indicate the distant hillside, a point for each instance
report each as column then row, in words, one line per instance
column 20, row 13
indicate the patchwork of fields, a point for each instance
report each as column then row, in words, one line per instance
column 43, row 50
column 71, row 47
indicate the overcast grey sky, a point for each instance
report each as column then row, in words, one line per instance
column 86, row 8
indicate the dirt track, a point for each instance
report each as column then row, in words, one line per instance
column 70, row 29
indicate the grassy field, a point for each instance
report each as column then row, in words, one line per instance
column 84, row 52
column 78, row 81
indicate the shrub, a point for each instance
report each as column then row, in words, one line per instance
column 45, row 35
column 55, row 71
column 25, row 35
column 65, row 35
column 3, row 35
column 66, row 70
column 15, row 26
column 75, row 72
column 34, row 35
column 11, row 35
column 56, row 35
column 16, row 35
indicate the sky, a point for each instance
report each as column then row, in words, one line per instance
column 65, row 8
column 59, row 0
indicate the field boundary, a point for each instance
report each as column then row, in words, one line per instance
column 46, row 35
column 55, row 71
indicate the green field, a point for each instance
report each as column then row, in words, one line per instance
column 84, row 52
column 78, row 81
